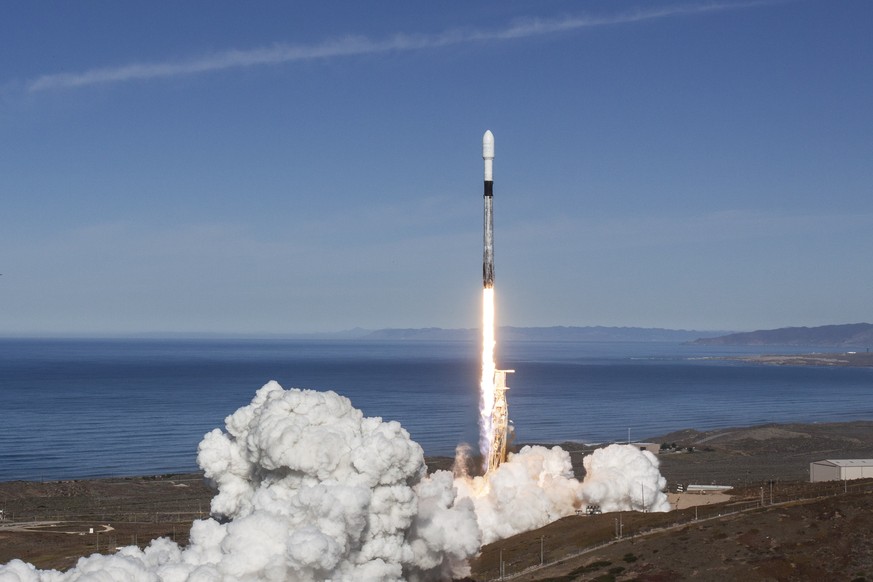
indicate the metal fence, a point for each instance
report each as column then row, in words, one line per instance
column 512, row 565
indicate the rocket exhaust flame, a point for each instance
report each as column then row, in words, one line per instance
column 487, row 385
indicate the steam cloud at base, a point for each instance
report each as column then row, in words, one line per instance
column 535, row 486
column 310, row 489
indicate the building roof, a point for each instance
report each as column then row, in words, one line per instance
column 847, row 462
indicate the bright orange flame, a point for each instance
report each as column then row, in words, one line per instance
column 486, row 392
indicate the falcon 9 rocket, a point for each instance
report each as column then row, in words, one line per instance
column 488, row 256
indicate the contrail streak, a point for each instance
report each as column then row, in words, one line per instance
column 359, row 46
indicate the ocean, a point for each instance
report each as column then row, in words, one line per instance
column 81, row 408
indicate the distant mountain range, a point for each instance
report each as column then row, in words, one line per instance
column 858, row 335
column 846, row 335
column 555, row 333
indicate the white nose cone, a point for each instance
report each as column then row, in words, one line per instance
column 488, row 145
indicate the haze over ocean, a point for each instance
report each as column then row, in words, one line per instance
column 85, row 408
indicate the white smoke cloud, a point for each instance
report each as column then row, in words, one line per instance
column 310, row 489
column 622, row 478
column 536, row 486
column 533, row 488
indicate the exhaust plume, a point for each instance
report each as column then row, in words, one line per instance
column 486, row 385
column 536, row 486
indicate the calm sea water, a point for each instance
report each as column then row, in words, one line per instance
column 85, row 408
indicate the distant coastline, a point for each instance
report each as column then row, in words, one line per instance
column 506, row 333
column 846, row 359
column 858, row 335
column 552, row 333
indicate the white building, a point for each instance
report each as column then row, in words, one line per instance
column 840, row 470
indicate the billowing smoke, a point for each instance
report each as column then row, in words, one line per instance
column 345, row 496
column 310, row 489
column 536, row 486
column 531, row 489
column 621, row 478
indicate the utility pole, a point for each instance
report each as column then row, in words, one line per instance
column 542, row 546
column 501, row 563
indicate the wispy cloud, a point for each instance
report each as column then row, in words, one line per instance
column 358, row 46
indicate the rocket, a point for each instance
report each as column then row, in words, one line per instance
column 488, row 256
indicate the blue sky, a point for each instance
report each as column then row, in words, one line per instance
column 291, row 167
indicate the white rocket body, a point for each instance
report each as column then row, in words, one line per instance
column 488, row 256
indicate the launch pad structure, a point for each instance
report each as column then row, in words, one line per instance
column 499, row 422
